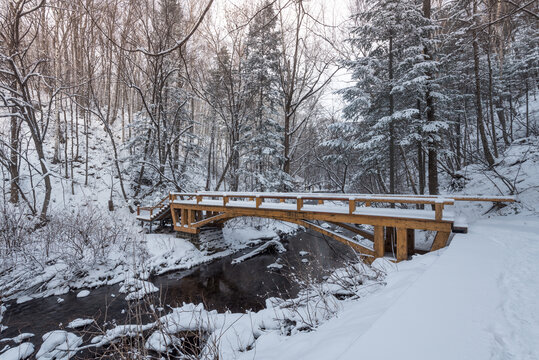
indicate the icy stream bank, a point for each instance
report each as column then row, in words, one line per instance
column 220, row 285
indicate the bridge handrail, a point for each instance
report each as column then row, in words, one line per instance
column 161, row 204
column 311, row 196
column 438, row 201
column 447, row 199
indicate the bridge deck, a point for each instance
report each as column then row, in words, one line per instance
column 394, row 228
column 325, row 208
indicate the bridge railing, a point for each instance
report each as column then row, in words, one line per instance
column 438, row 202
column 161, row 204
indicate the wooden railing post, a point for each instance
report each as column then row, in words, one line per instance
column 320, row 202
column 299, row 203
column 151, row 212
column 379, row 243
column 438, row 208
column 190, row 217
column 138, row 210
column 199, row 198
column 183, row 217
column 351, row 206
column 258, row 201
column 402, row 244
column 281, row 200
column 225, row 200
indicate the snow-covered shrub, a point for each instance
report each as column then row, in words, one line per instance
column 15, row 227
column 319, row 301
column 74, row 249
column 85, row 237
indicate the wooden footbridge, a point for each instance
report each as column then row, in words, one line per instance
column 393, row 231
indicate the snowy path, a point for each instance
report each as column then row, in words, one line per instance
column 477, row 299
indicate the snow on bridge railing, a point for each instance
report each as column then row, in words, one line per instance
column 299, row 198
column 438, row 201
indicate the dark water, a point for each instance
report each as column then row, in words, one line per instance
column 219, row 285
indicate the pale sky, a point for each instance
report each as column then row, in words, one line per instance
column 329, row 12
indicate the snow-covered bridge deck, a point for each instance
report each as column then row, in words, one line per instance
column 394, row 228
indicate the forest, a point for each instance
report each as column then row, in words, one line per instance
column 277, row 95
column 110, row 105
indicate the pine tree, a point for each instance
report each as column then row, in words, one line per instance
column 263, row 141
column 392, row 77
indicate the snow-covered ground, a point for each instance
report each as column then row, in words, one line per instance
column 475, row 299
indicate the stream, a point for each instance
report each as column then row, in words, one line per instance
column 220, row 285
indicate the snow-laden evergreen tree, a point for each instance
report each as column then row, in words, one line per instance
column 263, row 144
column 392, row 77
column 522, row 67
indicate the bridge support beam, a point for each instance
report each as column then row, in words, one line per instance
column 440, row 241
column 402, row 244
column 391, row 234
column 379, row 241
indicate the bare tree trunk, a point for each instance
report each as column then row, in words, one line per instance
column 491, row 102
column 527, row 109
column 14, row 160
column 391, row 124
column 210, row 153
column 479, row 110
column 432, row 145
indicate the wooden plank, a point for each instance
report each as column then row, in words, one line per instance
column 174, row 215
column 366, row 234
column 351, row 206
column 509, row 199
column 438, row 208
column 356, row 246
column 183, row 216
column 402, row 198
column 210, row 220
column 379, row 243
column 421, row 224
column 258, row 201
column 402, row 244
column 440, row 240
column 412, row 199
column 188, row 230
column 190, row 217
column 459, row 229
column 299, row 203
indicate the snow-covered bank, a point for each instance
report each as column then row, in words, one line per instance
column 129, row 260
column 477, row 299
